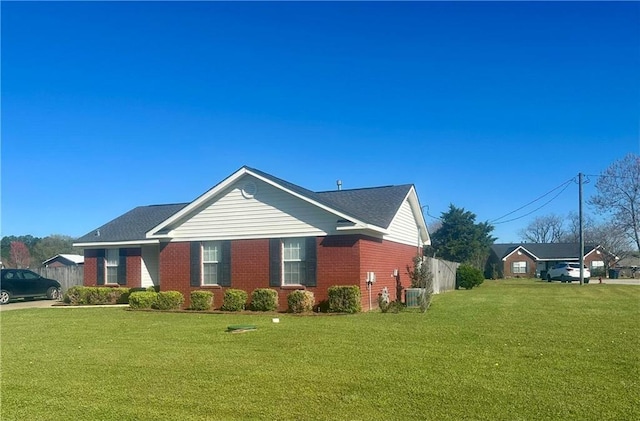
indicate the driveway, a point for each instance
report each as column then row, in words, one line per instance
column 616, row 281
column 18, row 304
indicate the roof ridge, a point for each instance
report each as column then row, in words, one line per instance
column 365, row 188
column 163, row 204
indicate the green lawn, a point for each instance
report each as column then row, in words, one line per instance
column 507, row 350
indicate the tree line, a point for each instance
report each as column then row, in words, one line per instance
column 27, row 251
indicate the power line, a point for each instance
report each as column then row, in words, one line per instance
column 428, row 214
column 565, row 185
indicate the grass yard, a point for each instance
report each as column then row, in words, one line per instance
column 507, row 350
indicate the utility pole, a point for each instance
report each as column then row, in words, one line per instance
column 581, row 229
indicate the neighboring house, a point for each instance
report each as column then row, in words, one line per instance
column 254, row 230
column 530, row 259
column 629, row 266
column 60, row 260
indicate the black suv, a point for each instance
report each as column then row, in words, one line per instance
column 23, row 283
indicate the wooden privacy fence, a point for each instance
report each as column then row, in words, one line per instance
column 444, row 274
column 68, row 276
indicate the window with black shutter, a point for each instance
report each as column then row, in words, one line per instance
column 275, row 262
column 195, row 258
column 100, row 273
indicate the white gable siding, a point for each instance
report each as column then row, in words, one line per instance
column 270, row 212
column 404, row 228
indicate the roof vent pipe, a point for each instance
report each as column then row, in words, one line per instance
column 339, row 183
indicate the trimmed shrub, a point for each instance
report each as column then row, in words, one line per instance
column 81, row 295
column 140, row 300
column 234, row 300
column 300, row 301
column 344, row 299
column 96, row 295
column 264, row 299
column 168, row 300
column 73, row 295
column 201, row 300
column 119, row 295
column 153, row 288
column 468, row 277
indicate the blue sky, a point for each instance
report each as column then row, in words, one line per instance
column 111, row 105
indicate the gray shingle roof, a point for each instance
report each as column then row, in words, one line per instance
column 376, row 206
column 133, row 225
column 545, row 251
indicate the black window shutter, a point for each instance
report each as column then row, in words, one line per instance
column 122, row 267
column 311, row 261
column 100, row 266
column 275, row 262
column 195, row 263
column 224, row 266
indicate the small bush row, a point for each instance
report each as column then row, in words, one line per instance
column 81, row 295
column 342, row 299
column 163, row 300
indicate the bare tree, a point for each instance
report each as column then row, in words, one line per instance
column 613, row 241
column 572, row 230
column 543, row 229
column 20, row 255
column 618, row 195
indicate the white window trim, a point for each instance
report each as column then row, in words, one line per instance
column 302, row 242
column 524, row 269
column 218, row 245
column 107, row 265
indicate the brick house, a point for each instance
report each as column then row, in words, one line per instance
column 531, row 259
column 253, row 230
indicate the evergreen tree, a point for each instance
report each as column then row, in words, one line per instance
column 461, row 239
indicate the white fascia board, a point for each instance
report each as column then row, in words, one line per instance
column 414, row 202
column 522, row 248
column 197, row 202
column 245, row 237
column 115, row 243
column 562, row 259
column 364, row 227
column 602, row 250
column 594, row 249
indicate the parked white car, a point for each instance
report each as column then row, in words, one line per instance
column 567, row 272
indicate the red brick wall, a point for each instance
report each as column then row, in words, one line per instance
column 338, row 260
column 337, row 265
column 593, row 257
column 174, row 268
column 382, row 257
column 134, row 268
column 515, row 257
column 90, row 267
